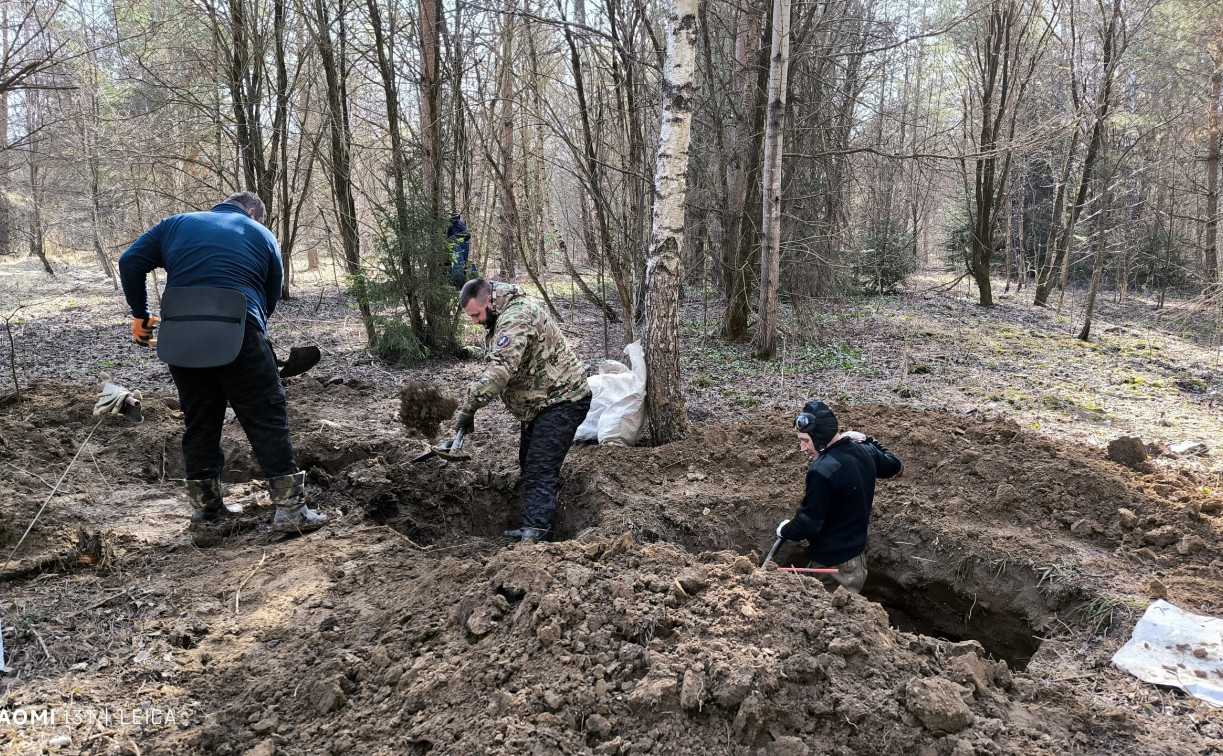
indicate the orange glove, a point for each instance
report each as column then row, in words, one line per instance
column 142, row 330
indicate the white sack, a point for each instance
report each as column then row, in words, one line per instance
column 617, row 407
column 1176, row 648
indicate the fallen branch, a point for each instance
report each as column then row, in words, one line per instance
column 248, row 579
column 587, row 292
column 89, row 552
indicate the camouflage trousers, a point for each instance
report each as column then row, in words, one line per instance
column 542, row 447
column 851, row 574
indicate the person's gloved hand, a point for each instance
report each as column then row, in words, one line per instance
column 465, row 421
column 113, row 398
column 780, row 527
column 142, row 330
column 854, row 436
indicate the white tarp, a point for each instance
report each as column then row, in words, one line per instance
column 1176, row 648
column 617, row 407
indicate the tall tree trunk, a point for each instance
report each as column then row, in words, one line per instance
column 332, row 53
column 430, row 104
column 770, row 240
column 664, row 386
column 509, row 220
column 1212, row 171
column 1103, row 179
column 744, row 145
column 385, row 54
column 1114, row 43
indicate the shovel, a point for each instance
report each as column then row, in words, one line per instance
column 300, row 360
column 772, row 552
column 451, row 450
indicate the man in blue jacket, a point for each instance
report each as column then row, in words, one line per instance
column 225, row 248
column 836, row 507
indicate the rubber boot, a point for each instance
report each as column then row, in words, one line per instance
column 528, row 535
column 207, row 504
column 292, row 514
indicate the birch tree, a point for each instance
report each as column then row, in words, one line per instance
column 664, row 389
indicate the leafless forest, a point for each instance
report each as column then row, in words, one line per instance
column 772, row 153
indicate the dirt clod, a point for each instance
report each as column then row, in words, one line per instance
column 422, row 408
column 1127, row 450
column 938, row 703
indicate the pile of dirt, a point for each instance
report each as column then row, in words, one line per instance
column 604, row 646
column 1005, row 570
column 422, row 408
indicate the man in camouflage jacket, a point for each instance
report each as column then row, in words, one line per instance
column 542, row 383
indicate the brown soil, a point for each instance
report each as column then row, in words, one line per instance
column 422, row 408
column 1005, row 570
column 1007, row 565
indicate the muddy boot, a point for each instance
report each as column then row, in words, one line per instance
column 527, row 535
column 207, row 505
column 292, row 514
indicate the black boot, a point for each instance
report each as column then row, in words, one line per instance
column 292, row 515
column 207, row 504
column 528, row 535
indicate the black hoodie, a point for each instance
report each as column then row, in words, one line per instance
column 840, row 493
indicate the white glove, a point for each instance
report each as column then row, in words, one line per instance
column 854, row 436
column 113, row 398
column 782, row 525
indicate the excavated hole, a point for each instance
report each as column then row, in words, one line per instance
column 957, row 604
column 437, row 516
column 942, row 610
column 924, row 588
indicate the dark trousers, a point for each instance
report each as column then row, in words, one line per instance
column 541, row 449
column 251, row 385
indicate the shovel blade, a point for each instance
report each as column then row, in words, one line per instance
column 300, row 360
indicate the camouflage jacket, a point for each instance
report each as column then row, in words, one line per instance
column 530, row 364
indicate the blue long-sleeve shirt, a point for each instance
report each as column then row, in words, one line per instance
column 223, row 248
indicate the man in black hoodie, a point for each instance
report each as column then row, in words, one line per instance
column 836, row 508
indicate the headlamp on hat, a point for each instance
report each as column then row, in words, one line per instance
column 817, row 421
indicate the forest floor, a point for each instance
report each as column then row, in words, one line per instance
column 1007, row 565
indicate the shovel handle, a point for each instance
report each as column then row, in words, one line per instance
column 772, row 552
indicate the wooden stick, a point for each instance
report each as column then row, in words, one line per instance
column 248, row 579
column 41, row 643
column 98, row 467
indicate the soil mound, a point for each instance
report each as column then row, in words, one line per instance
column 999, row 563
column 422, row 408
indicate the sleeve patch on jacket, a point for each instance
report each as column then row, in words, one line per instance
column 502, row 341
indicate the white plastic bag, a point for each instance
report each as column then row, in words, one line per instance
column 1172, row 647
column 617, row 408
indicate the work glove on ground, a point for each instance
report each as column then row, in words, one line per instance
column 465, row 421
column 113, row 398
column 783, row 524
column 142, row 330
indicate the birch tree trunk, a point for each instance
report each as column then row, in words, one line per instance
column 664, row 388
column 770, row 252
